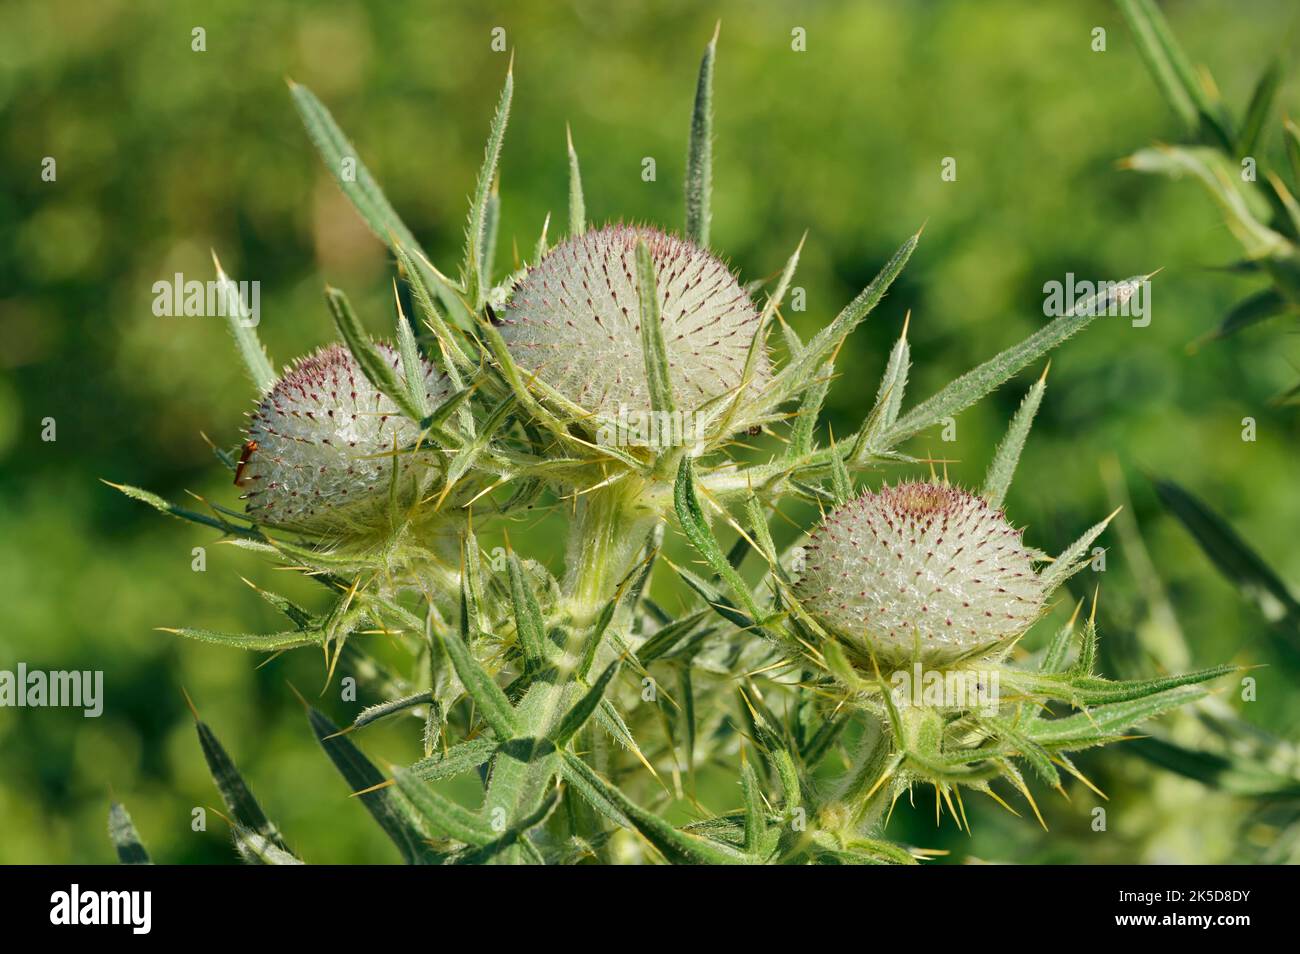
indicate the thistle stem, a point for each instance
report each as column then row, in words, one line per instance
column 860, row 797
column 605, row 543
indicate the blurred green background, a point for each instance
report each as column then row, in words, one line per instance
column 164, row 153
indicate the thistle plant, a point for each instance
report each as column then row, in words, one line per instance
column 612, row 375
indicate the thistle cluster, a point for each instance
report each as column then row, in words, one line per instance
column 375, row 467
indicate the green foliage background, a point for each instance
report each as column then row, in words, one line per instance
column 164, row 153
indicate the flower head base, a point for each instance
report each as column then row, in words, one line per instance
column 575, row 320
column 920, row 571
column 320, row 452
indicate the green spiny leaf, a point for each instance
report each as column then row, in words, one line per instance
column 577, row 207
column 699, row 157
column 376, row 713
column 1261, row 102
column 1028, row 749
column 889, row 400
column 234, row 790
column 1250, row 311
column 800, row 369
column 1232, row 555
column 841, row 483
column 476, row 273
column 1003, row 466
column 256, row 642
column 392, row 814
column 441, row 814
column 491, row 225
column 257, row 849
column 371, row 361
column 243, row 327
column 482, row 688
column 459, row 758
column 755, row 813
column 130, row 851
column 163, row 506
column 653, row 346
column 1059, row 648
column 1242, row 204
column 529, row 625
column 805, row 424
column 359, row 187
column 697, row 530
column 1172, row 70
column 412, row 363
column 677, row 846
column 1104, row 723
column 582, row 710
column 979, row 381
column 422, row 294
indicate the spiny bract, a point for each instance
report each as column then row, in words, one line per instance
column 575, row 320
column 321, row 443
column 920, row 564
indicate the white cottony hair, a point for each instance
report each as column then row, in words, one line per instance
column 321, row 437
column 575, row 320
column 920, row 563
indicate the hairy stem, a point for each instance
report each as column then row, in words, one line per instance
column 609, row 531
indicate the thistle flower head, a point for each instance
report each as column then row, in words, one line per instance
column 321, row 444
column 920, row 565
column 575, row 320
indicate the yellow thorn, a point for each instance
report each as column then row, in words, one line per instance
column 962, row 806
column 880, row 781
column 270, row 659
column 297, row 694
column 374, row 788
column 951, row 810
column 892, row 803
column 1084, row 779
column 998, row 798
column 1075, row 615
column 190, row 705
column 1024, row 790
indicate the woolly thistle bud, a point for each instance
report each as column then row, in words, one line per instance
column 320, row 451
column 920, row 569
column 575, row 320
